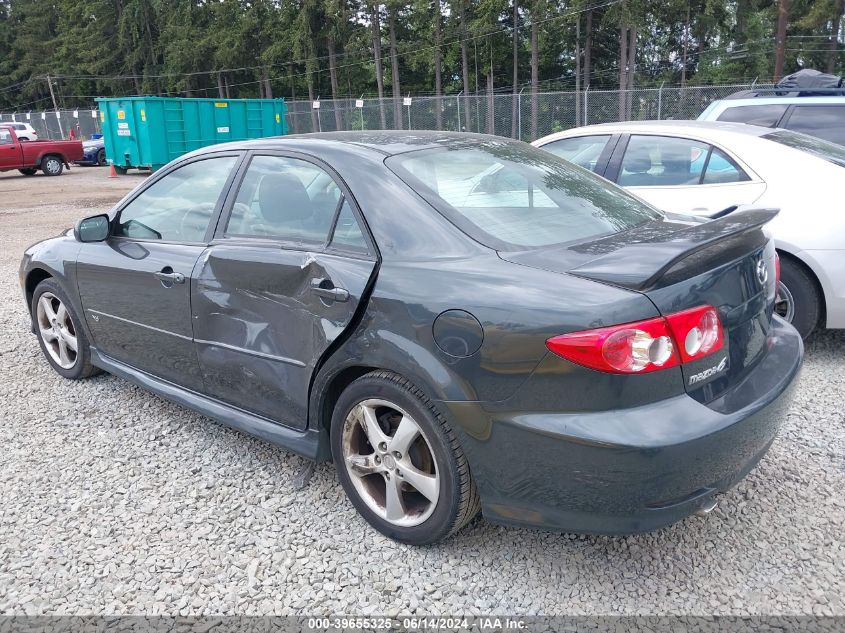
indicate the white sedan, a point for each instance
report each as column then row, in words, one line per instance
column 704, row 168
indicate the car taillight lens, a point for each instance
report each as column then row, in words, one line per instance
column 698, row 332
column 621, row 349
column 777, row 269
column 644, row 346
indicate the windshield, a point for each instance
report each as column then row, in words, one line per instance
column 830, row 152
column 512, row 196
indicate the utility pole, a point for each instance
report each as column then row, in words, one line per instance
column 55, row 106
column 780, row 39
column 578, row 70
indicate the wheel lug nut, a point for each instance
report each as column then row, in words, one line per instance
column 378, row 459
column 382, row 446
column 397, row 454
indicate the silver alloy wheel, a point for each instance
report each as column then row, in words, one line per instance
column 784, row 303
column 52, row 166
column 390, row 462
column 56, row 329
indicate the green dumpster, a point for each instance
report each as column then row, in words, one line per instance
column 152, row 131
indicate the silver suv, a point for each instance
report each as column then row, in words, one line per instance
column 817, row 115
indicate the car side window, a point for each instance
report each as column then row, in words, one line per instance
column 662, row 161
column 762, row 115
column 180, row 205
column 284, row 198
column 721, row 169
column 822, row 121
column 348, row 235
column 6, row 137
column 584, row 151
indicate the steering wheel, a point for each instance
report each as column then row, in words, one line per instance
column 195, row 221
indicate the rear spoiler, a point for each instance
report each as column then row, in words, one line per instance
column 659, row 262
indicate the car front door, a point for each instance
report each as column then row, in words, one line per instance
column 136, row 286
column 10, row 152
column 283, row 278
column 682, row 175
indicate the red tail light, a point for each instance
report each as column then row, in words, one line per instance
column 777, row 269
column 644, row 346
column 698, row 332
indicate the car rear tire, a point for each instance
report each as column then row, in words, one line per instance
column 28, row 172
column 58, row 329
column 799, row 299
column 400, row 462
column 101, row 158
column 52, row 166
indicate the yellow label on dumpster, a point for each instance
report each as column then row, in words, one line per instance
column 221, row 104
column 278, row 118
column 143, row 116
column 102, row 117
column 121, row 115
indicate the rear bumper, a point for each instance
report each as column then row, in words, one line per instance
column 89, row 158
column 630, row 470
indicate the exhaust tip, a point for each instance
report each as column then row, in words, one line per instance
column 706, row 509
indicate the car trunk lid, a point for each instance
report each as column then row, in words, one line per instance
column 682, row 262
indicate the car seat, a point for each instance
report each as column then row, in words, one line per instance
column 283, row 205
column 635, row 169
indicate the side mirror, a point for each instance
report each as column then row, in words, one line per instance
column 93, row 229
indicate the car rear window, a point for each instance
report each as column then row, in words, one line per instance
column 830, row 152
column 511, row 195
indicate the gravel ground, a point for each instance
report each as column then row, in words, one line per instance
column 116, row 502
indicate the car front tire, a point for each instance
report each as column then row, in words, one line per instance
column 101, row 158
column 399, row 462
column 60, row 335
column 799, row 299
column 28, row 172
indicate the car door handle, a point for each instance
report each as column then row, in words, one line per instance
column 167, row 275
column 327, row 290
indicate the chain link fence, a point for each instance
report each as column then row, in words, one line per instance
column 57, row 125
column 516, row 115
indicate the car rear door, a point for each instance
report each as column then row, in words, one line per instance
column 290, row 264
column 823, row 121
column 590, row 151
column 682, row 175
column 135, row 287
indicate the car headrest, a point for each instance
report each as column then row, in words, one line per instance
column 283, row 198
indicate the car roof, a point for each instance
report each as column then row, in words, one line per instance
column 707, row 128
column 740, row 100
column 381, row 143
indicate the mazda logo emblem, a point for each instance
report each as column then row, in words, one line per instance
column 762, row 272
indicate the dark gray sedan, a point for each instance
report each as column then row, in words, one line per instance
column 460, row 322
